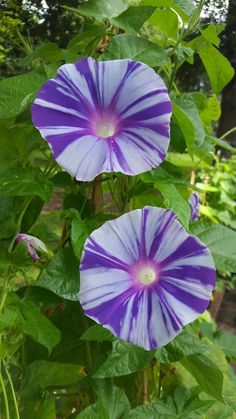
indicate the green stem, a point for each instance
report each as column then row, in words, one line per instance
column 173, row 73
column 87, row 344
column 5, row 397
column 159, row 380
column 181, row 37
column 19, row 221
column 5, row 289
column 4, row 293
column 97, row 191
column 153, row 365
column 112, row 192
column 12, row 389
column 144, row 387
column 173, row 83
column 228, row 133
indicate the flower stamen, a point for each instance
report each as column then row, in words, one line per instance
column 146, row 275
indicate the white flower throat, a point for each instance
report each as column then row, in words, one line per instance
column 105, row 129
column 146, row 276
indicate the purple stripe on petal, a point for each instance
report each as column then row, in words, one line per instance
column 143, row 251
column 155, row 278
column 112, row 310
column 99, row 255
column 175, row 321
column 159, row 234
column 180, row 273
column 194, row 202
column 142, row 98
column 58, row 142
column 151, row 112
column 103, row 100
column 191, row 246
column 83, row 67
column 116, row 151
column 197, row 304
column 132, row 66
column 56, row 94
column 43, row 118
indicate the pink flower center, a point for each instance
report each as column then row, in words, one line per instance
column 105, row 125
column 105, row 129
column 144, row 273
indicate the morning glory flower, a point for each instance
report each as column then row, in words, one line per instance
column 104, row 116
column 33, row 244
column 144, row 277
column 194, row 202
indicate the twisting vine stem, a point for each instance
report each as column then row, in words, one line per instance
column 96, row 197
column 144, row 387
column 4, row 392
column 12, row 389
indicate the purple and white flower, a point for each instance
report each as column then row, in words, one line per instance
column 104, row 116
column 144, row 277
column 32, row 243
column 194, row 202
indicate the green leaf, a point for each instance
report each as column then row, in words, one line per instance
column 188, row 404
column 206, row 373
column 48, row 51
column 211, row 32
column 155, row 410
column 209, row 108
column 185, row 344
column 221, row 143
column 184, row 53
column 43, row 407
column 38, row 326
column 79, row 234
column 218, row 67
column 26, row 317
column 23, row 182
column 112, row 403
column 44, row 374
column 220, row 411
column 133, row 18
column 8, row 216
column 62, row 275
column 227, row 342
column 79, row 202
column 101, row 9
column 16, row 145
column 135, row 48
column 20, row 256
column 123, row 360
column 186, row 127
column 185, row 8
column 98, row 333
column 174, row 201
column 188, row 106
column 166, row 21
column 16, row 93
column 91, row 33
column 184, row 404
column 32, row 213
column 221, row 242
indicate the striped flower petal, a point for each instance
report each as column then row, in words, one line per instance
column 194, row 202
column 144, row 277
column 32, row 243
column 104, row 116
